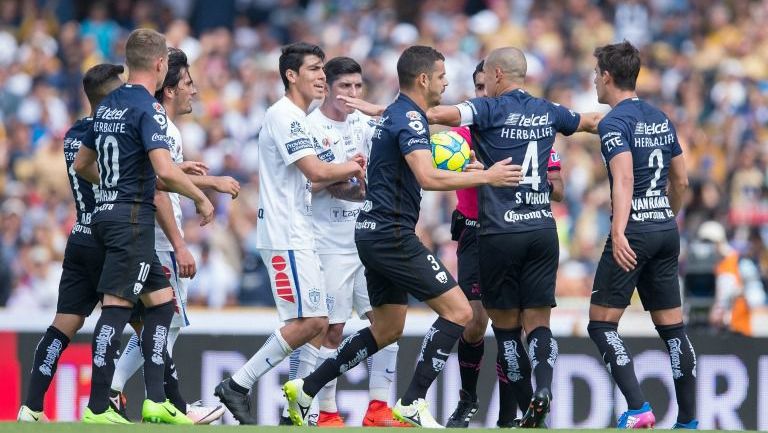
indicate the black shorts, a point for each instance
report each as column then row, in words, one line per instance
column 80, row 275
column 396, row 267
column 131, row 267
column 464, row 230
column 655, row 275
column 518, row 270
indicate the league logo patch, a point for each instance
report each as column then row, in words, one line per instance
column 413, row 115
column 159, row 108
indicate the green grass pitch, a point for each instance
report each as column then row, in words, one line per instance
column 148, row 428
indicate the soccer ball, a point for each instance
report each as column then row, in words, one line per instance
column 450, row 151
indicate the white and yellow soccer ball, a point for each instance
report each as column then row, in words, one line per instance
column 450, row 151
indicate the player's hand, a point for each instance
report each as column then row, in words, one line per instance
column 187, row 266
column 227, row 185
column 205, row 210
column 361, row 105
column 504, row 174
column 194, row 167
column 359, row 158
column 473, row 164
column 623, row 254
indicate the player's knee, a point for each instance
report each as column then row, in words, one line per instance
column 386, row 335
column 475, row 329
column 68, row 324
column 334, row 335
column 461, row 315
column 315, row 325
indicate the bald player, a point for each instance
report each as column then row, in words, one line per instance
column 517, row 239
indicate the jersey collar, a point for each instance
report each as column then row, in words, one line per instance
column 404, row 98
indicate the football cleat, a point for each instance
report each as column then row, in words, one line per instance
column 109, row 416
column 299, row 402
column 237, row 402
column 330, row 419
column 637, row 418
column 465, row 410
column 163, row 413
column 380, row 415
column 416, row 414
column 284, row 420
column 538, row 410
column 118, row 402
column 28, row 415
column 690, row 425
column 200, row 414
column 515, row 423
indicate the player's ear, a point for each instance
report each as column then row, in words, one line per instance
column 291, row 75
column 423, row 80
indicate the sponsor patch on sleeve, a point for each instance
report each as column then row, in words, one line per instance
column 298, row 145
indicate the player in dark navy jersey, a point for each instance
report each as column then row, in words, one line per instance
column 83, row 256
column 646, row 169
column 130, row 149
column 396, row 262
column 518, row 245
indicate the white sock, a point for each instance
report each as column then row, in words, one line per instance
column 274, row 350
column 129, row 363
column 307, row 364
column 383, row 367
column 293, row 368
column 326, row 398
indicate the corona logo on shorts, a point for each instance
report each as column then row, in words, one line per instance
column 282, row 281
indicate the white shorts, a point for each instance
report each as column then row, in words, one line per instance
column 179, row 286
column 345, row 285
column 297, row 283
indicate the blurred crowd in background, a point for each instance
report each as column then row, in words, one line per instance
column 704, row 63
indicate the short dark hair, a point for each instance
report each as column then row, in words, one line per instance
column 292, row 58
column 622, row 61
column 97, row 78
column 416, row 60
column 478, row 69
column 339, row 66
column 177, row 64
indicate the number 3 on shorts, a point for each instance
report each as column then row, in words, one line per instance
column 433, row 262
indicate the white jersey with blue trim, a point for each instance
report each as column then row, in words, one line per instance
column 177, row 155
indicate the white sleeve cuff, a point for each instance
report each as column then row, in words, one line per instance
column 467, row 113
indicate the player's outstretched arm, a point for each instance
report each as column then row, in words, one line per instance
column 175, row 180
column 85, row 165
column 319, row 171
column 363, row 106
column 588, row 122
column 167, row 222
column 678, row 182
column 501, row 174
column 621, row 201
column 448, row 115
column 222, row 184
column 351, row 190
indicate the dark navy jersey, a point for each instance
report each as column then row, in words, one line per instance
column 636, row 126
column 83, row 191
column 517, row 125
column 128, row 124
column 393, row 198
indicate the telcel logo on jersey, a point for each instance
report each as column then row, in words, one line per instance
column 110, row 113
column 519, row 119
column 642, row 128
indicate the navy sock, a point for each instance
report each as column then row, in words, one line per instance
column 352, row 351
column 514, row 372
column 106, row 350
column 683, row 360
column 435, row 351
column 154, row 342
column 543, row 351
column 47, row 355
column 470, row 359
column 618, row 360
column 171, row 384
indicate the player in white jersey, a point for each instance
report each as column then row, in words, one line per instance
column 288, row 165
column 342, row 133
column 176, row 96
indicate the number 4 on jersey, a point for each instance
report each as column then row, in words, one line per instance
column 531, row 161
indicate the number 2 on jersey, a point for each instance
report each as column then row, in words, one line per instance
column 109, row 163
column 531, row 160
column 656, row 154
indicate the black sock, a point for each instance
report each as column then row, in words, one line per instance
column 543, row 350
column 683, row 360
column 435, row 351
column 106, row 351
column 514, row 372
column 352, row 351
column 618, row 360
column 171, row 384
column 470, row 358
column 47, row 354
column 154, row 342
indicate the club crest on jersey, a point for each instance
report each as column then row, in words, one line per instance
column 413, row 115
column 314, row 296
column 158, row 107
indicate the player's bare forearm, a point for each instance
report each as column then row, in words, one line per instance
column 447, row 115
column 557, row 192
column 678, row 183
column 318, row 171
column 222, row 184
column 166, row 220
column 588, row 122
column 501, row 174
column 349, row 191
column 85, row 165
column 363, row 106
column 621, row 195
